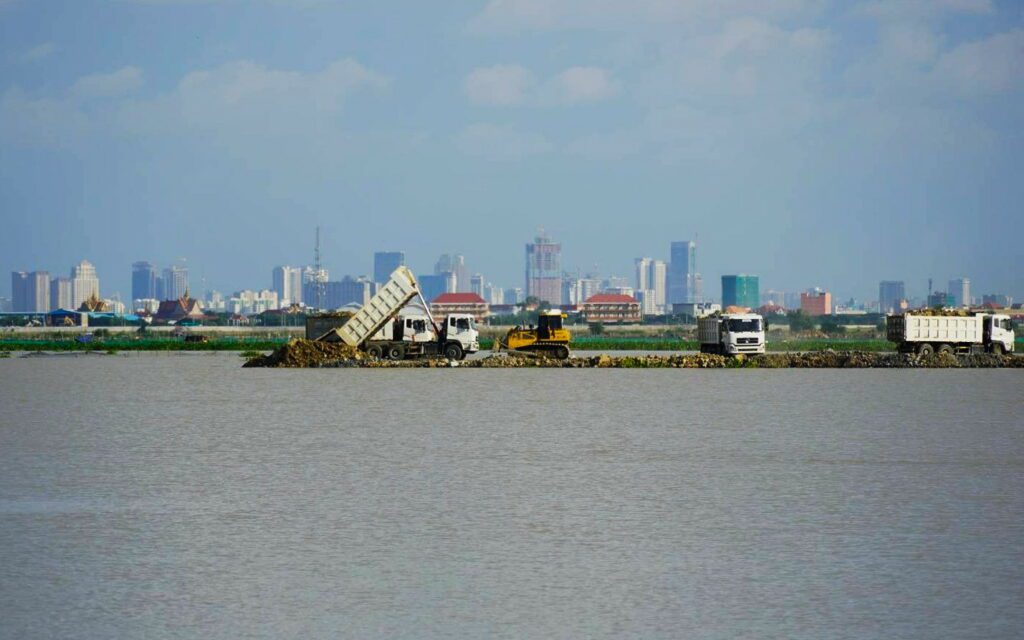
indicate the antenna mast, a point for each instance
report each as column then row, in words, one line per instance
column 318, row 282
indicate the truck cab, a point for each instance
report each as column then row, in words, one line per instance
column 998, row 332
column 732, row 334
column 459, row 336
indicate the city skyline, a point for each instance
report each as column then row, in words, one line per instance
column 834, row 143
column 286, row 280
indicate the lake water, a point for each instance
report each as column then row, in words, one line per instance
column 180, row 496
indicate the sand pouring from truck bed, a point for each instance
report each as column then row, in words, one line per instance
column 310, row 354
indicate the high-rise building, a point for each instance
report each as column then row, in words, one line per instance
column 683, row 281
column 348, row 290
column 657, row 280
column 84, row 283
column 60, row 294
column 960, row 289
column 578, row 290
column 650, row 276
column 495, row 294
column 19, row 291
column 384, row 263
column 313, row 285
column 476, row 284
column 287, row 282
column 143, row 280
column 544, row 270
column 772, row 297
column 30, row 291
column 434, row 285
column 740, row 291
column 1000, row 300
column 175, row 282
column 816, row 302
column 941, row 299
column 642, row 273
column 891, row 295
column 454, row 264
column 514, row 295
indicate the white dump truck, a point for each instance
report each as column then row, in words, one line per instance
column 379, row 330
column 731, row 333
column 931, row 332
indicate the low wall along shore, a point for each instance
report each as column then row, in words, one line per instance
column 309, row 354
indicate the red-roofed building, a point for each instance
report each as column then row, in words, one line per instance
column 469, row 303
column 611, row 307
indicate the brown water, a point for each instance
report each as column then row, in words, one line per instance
column 179, row 496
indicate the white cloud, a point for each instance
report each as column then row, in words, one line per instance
column 108, row 85
column 583, row 84
column 500, row 85
column 499, row 142
column 243, row 102
column 39, row 52
column 40, row 122
column 923, row 9
column 992, row 65
column 514, row 85
column 247, row 100
column 510, row 16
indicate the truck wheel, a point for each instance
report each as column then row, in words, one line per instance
column 997, row 348
column 562, row 352
column 374, row 351
column 453, row 351
column 946, row 348
column 926, row 349
column 396, row 352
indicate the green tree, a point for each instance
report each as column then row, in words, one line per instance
column 596, row 328
column 799, row 321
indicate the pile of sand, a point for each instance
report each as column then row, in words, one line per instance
column 308, row 353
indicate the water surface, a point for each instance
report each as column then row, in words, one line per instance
column 179, row 496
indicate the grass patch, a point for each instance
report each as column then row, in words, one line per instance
column 143, row 344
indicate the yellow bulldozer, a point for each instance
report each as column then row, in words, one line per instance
column 549, row 338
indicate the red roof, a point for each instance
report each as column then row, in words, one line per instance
column 458, row 298
column 609, row 298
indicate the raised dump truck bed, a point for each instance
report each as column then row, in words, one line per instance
column 400, row 288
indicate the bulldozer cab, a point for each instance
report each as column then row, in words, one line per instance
column 548, row 324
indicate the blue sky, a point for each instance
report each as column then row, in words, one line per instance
column 814, row 143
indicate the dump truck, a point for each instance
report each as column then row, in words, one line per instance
column 930, row 332
column 731, row 333
column 378, row 329
column 549, row 338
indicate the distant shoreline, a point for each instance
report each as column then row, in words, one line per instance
column 117, row 343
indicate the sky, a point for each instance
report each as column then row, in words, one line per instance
column 810, row 142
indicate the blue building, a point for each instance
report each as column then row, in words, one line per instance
column 741, row 291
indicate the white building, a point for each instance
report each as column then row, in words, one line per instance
column 114, row 306
column 288, row 285
column 648, row 302
column 495, row 294
column 657, row 281
column 476, row 284
column 175, row 281
column 577, row 290
column 84, row 283
column 248, row 302
column 146, row 305
column 651, row 275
